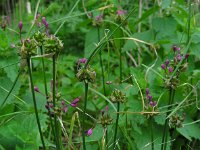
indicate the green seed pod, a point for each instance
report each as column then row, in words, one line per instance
column 86, row 74
column 39, row 38
column 52, row 44
column 105, row 120
column 118, row 96
column 28, row 48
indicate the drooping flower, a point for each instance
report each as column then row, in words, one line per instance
column 89, row 132
column 74, row 103
column 36, row 89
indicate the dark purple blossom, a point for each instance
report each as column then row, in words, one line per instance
column 121, row 12
column 170, row 69
column 147, row 91
column 20, row 25
column 167, row 62
column 36, row 89
column 179, row 57
column 163, row 66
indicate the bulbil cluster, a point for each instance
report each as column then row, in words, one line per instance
column 170, row 65
column 29, row 46
column 105, row 118
column 117, row 96
column 176, row 121
column 86, row 74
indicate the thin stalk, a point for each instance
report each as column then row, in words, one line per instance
column 120, row 63
column 54, row 103
column 46, row 94
column 101, row 64
column 152, row 136
column 34, row 102
column 165, row 132
column 116, row 124
column 106, row 140
column 83, row 118
column 10, row 91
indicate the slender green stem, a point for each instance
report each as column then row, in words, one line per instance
column 101, row 64
column 152, row 136
column 120, row 63
column 83, row 118
column 116, row 125
column 34, row 102
column 10, row 91
column 54, row 103
column 106, row 140
column 46, row 93
column 165, row 132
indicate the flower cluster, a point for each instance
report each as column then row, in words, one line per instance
column 105, row 118
column 117, row 96
column 28, row 47
column 149, row 103
column 176, row 121
column 98, row 20
column 170, row 65
column 85, row 73
column 120, row 15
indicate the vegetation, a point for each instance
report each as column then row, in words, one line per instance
column 100, row 74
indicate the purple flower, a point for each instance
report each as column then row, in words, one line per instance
column 36, row 89
column 186, row 56
column 151, row 103
column 63, row 103
column 20, row 25
column 107, row 108
column 74, row 102
column 167, row 62
column 99, row 18
column 147, row 91
column 154, row 103
column 89, row 132
column 163, row 66
column 82, row 60
column 179, row 57
column 176, row 48
column 65, row 109
column 51, row 105
column 149, row 97
column 121, row 12
column 170, row 69
column 44, row 20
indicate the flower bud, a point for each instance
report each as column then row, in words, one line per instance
column 170, row 69
column 36, row 89
column 89, row 132
column 147, row 91
column 20, row 25
column 163, row 67
column 167, row 62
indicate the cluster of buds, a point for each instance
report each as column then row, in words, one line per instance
column 150, row 104
column 52, row 44
column 176, row 121
column 97, row 20
column 28, row 47
column 169, row 66
column 39, row 38
column 120, row 15
column 117, row 96
column 85, row 73
column 105, row 118
column 4, row 22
